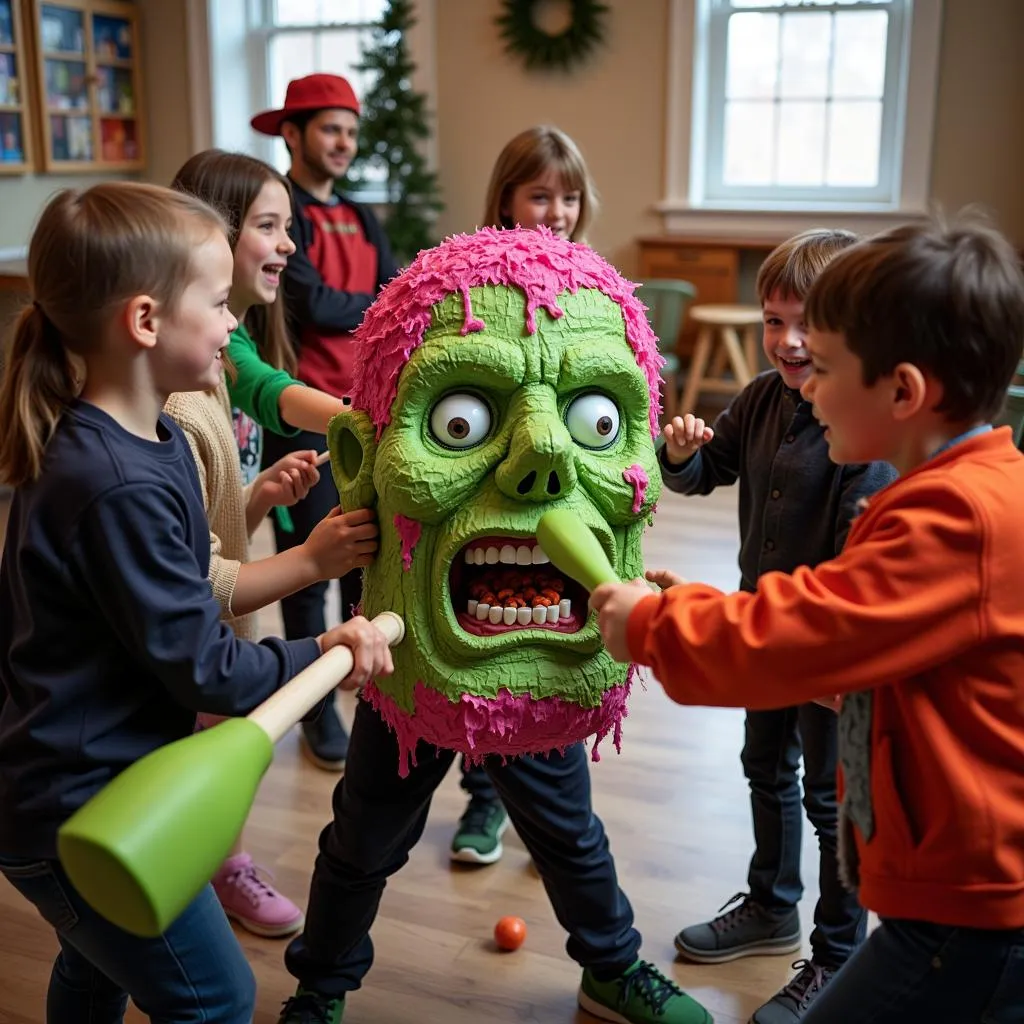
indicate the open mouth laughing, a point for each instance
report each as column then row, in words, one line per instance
column 506, row 584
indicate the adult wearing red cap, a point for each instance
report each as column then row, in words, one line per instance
column 341, row 259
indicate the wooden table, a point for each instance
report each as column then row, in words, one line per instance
column 14, row 276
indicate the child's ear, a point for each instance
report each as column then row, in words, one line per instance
column 913, row 391
column 352, row 442
column 141, row 320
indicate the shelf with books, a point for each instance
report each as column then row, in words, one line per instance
column 15, row 121
column 88, row 70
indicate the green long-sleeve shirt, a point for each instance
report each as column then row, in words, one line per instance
column 257, row 386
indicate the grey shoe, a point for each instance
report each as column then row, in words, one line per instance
column 747, row 930
column 790, row 1003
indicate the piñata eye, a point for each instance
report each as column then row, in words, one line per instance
column 460, row 420
column 593, row 421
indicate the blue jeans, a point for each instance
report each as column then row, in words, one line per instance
column 775, row 741
column 195, row 973
column 912, row 971
column 379, row 818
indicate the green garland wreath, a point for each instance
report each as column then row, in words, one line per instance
column 538, row 49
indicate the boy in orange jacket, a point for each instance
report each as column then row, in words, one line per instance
column 918, row 625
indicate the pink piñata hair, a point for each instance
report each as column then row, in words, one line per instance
column 507, row 725
column 537, row 261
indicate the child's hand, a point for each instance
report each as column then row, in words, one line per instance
column 684, row 437
column 342, row 541
column 613, row 603
column 287, row 481
column 663, row 578
column 370, row 652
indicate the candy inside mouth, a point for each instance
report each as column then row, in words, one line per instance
column 506, row 584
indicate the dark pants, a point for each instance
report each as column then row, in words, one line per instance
column 911, row 971
column 195, row 973
column 303, row 612
column 771, row 757
column 379, row 817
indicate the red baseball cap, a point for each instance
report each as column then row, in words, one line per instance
column 314, row 92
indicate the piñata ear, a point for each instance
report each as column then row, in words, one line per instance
column 352, row 442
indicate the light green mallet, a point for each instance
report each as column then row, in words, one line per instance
column 143, row 847
column 573, row 548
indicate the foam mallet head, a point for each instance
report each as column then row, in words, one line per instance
column 143, row 847
column 573, row 548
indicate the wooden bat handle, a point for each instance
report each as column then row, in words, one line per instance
column 278, row 713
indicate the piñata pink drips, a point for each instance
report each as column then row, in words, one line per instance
column 637, row 476
column 508, row 725
column 409, row 531
column 537, row 261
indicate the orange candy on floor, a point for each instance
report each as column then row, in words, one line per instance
column 510, row 933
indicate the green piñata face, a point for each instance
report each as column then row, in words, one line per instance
column 488, row 431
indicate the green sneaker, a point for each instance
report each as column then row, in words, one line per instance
column 307, row 1007
column 641, row 995
column 478, row 838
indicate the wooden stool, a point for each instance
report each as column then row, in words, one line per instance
column 722, row 323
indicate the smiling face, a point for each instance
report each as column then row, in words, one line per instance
column 192, row 337
column 488, row 431
column 785, row 339
column 262, row 249
column 323, row 149
column 856, row 418
column 544, row 200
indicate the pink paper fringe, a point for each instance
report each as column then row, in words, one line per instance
column 509, row 725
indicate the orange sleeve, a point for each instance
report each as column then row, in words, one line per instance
column 903, row 597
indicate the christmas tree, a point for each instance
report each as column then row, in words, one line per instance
column 393, row 124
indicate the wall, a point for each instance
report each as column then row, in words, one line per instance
column 979, row 131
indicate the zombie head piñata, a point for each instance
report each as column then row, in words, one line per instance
column 502, row 374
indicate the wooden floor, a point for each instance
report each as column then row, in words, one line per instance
column 675, row 807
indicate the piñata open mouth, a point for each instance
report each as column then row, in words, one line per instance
column 505, row 584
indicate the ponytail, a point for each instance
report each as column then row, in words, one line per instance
column 91, row 251
column 38, row 384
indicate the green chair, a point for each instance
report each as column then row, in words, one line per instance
column 666, row 301
column 1013, row 413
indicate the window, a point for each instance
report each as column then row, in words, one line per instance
column 302, row 37
column 788, row 107
column 804, row 98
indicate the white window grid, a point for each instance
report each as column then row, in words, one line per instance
column 716, row 15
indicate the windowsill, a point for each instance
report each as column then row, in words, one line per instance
column 779, row 220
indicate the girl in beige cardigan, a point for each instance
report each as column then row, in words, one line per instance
column 257, row 206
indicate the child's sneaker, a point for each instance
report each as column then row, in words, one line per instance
column 746, row 930
column 790, row 1003
column 311, row 1008
column 257, row 906
column 478, row 838
column 640, row 995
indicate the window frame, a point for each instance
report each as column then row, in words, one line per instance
column 718, row 14
column 687, row 206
